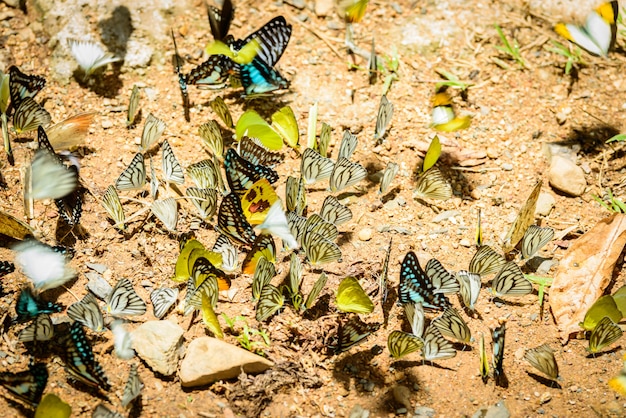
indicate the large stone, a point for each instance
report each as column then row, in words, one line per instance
column 159, row 344
column 565, row 176
column 209, row 359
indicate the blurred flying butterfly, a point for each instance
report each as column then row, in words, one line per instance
column 172, row 171
column 542, row 359
column 28, row 385
column 469, row 288
column 124, row 301
column 90, row 56
column 352, row 298
column 166, row 211
column 535, row 238
column 80, row 361
column 451, row 324
column 351, row 333
column 133, row 105
column 348, row 145
column 270, row 302
column 276, row 223
column 598, row 34
column 133, row 386
column 229, row 253
column 334, row 212
column 319, row 250
column 346, row 174
column 401, row 343
column 134, row 176
column 253, row 150
column 205, row 174
column 41, row 329
column 22, row 86
column 317, row 288
column 432, row 185
column 603, row 335
column 263, row 274
column 257, row 201
column 443, row 116
column 50, row 179
column 87, row 312
column 241, row 174
column 153, row 128
column 6, row 267
column 237, row 51
column 102, row 411
column 314, row 167
column 486, row 261
column 111, row 202
column 389, row 174
column 29, row 116
column 231, row 221
column 442, row 280
column 523, row 220
column 415, row 315
column 122, row 341
column 205, row 201
column 352, row 10
column 44, row 267
column 295, row 195
column 415, row 286
column 211, row 135
column 263, row 246
column 435, row 346
column 163, row 299
column 385, row 112
column 28, row 306
column 70, row 207
column 510, row 281
column 497, row 336
column 220, row 20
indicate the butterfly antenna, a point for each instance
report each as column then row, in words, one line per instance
column 182, row 83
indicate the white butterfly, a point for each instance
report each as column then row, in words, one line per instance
column 276, row 224
column 45, row 267
column 167, row 212
column 90, row 56
column 122, row 341
column 49, row 178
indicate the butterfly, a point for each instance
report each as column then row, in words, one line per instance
column 443, row 116
column 497, row 336
column 263, row 246
column 220, row 20
column 385, row 112
column 172, row 171
column 432, row 154
column 163, row 299
column 232, row 222
column 295, row 274
column 212, row 73
column 296, row 225
column 133, row 106
column 134, row 176
column 41, row 329
column 28, row 385
column 229, row 253
column 605, row 306
column 28, row 307
column 43, row 266
column 70, row 207
column 87, row 312
column 182, row 78
column 510, row 281
column 317, row 288
column 49, row 178
column 486, row 261
column 524, row 219
column 315, row 223
column 199, row 286
column 389, row 174
column 451, row 324
column 295, row 195
column 276, row 223
column 324, row 140
column 415, row 286
column 191, row 252
column 372, row 65
column 257, row 201
column 435, row 346
column 166, row 211
column 382, row 280
column 238, row 52
column 154, row 181
column 29, row 116
column 124, row 301
column 320, row 250
column 598, row 34
column 618, row 383
column 431, row 184
column 112, row 204
column 6, row 267
column 542, row 359
column 603, row 335
column 334, row 212
column 351, row 333
column 352, row 10
column 270, row 301
column 401, row 343
column 535, row 238
column 211, row 135
column 263, row 274
column 346, row 174
column 414, row 312
column 80, row 361
column 352, row 298
column 484, row 363
column 241, row 174
column 205, row 201
column 133, row 386
column 90, row 56
column 258, row 78
column 102, row 411
column 442, row 280
column 205, row 174
column 314, row 167
column 348, row 145
column 479, row 230
column 23, row 85
column 284, row 127
column 209, row 318
column 122, row 341
column 253, row 150
column 469, row 288
column 153, row 128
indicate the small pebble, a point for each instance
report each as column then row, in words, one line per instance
column 402, row 395
column 545, row 398
column 507, row 166
column 369, row 386
column 465, row 243
column 107, row 124
column 365, row 234
column 424, row 411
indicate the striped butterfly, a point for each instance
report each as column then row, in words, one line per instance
column 542, row 359
column 351, row 333
column 479, row 230
column 535, row 238
column 231, row 221
column 334, row 212
column 27, row 385
column 295, row 274
column 510, row 281
column 122, row 341
column 30, row 116
column 314, row 167
column 133, row 386
column 315, row 223
column 163, row 299
column 101, row 411
column 415, row 286
column 352, row 298
column 604, row 306
column 80, row 361
column 598, row 34
column 220, row 20
column 203, row 266
column 90, row 56
column 112, row 204
column 29, row 307
column 432, row 185
column 124, row 301
column 435, row 346
column 133, row 106
column 276, row 223
column 23, row 85
column 317, row 288
column 348, row 145
column 44, row 267
column 524, row 219
column 41, row 329
column 273, row 38
column 6, row 267
column 497, row 336
column 324, row 140
column 451, row 324
column 205, row 201
column 211, row 135
column 346, row 174
column 153, row 128
column 319, row 250
column 134, row 176
column 154, row 182
column 469, row 288
column 70, row 207
column 484, row 363
column 263, row 274
column 295, row 195
column 383, row 290
column 401, row 344
column 385, row 112
column 257, row 201
column 603, row 335
column 242, row 174
column 253, row 150
column 178, row 62
column 263, row 246
column 50, row 179
column 172, row 171
column 229, row 253
column 270, row 302
column 221, row 110
column 166, row 211
column 486, row 261
column 205, row 174
column 258, row 77
column 414, row 312
column 87, row 312
column 296, row 225
column 372, row 65
column 211, row 74
column 442, row 280
column 200, row 286
column 389, row 174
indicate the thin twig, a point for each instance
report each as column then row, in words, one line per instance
column 314, row 32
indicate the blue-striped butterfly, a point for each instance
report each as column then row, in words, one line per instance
column 23, row 85
column 232, row 222
column 242, row 174
column 28, row 385
column 28, row 306
column 415, row 286
column 80, row 361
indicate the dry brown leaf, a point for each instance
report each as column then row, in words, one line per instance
column 585, row 272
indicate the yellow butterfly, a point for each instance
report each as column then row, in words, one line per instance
column 443, row 116
column 245, row 55
column 263, row 246
column 256, row 202
column 598, row 34
column 190, row 252
column 352, row 298
column 284, row 127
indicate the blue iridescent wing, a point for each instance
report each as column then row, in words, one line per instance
column 242, row 174
column 258, row 78
column 28, row 307
column 415, row 286
column 27, row 385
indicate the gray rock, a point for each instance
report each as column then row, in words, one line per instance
column 566, row 176
column 98, row 285
column 545, row 203
column 359, row 412
column 159, row 344
column 424, row 411
column 210, row 359
column 498, row 410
